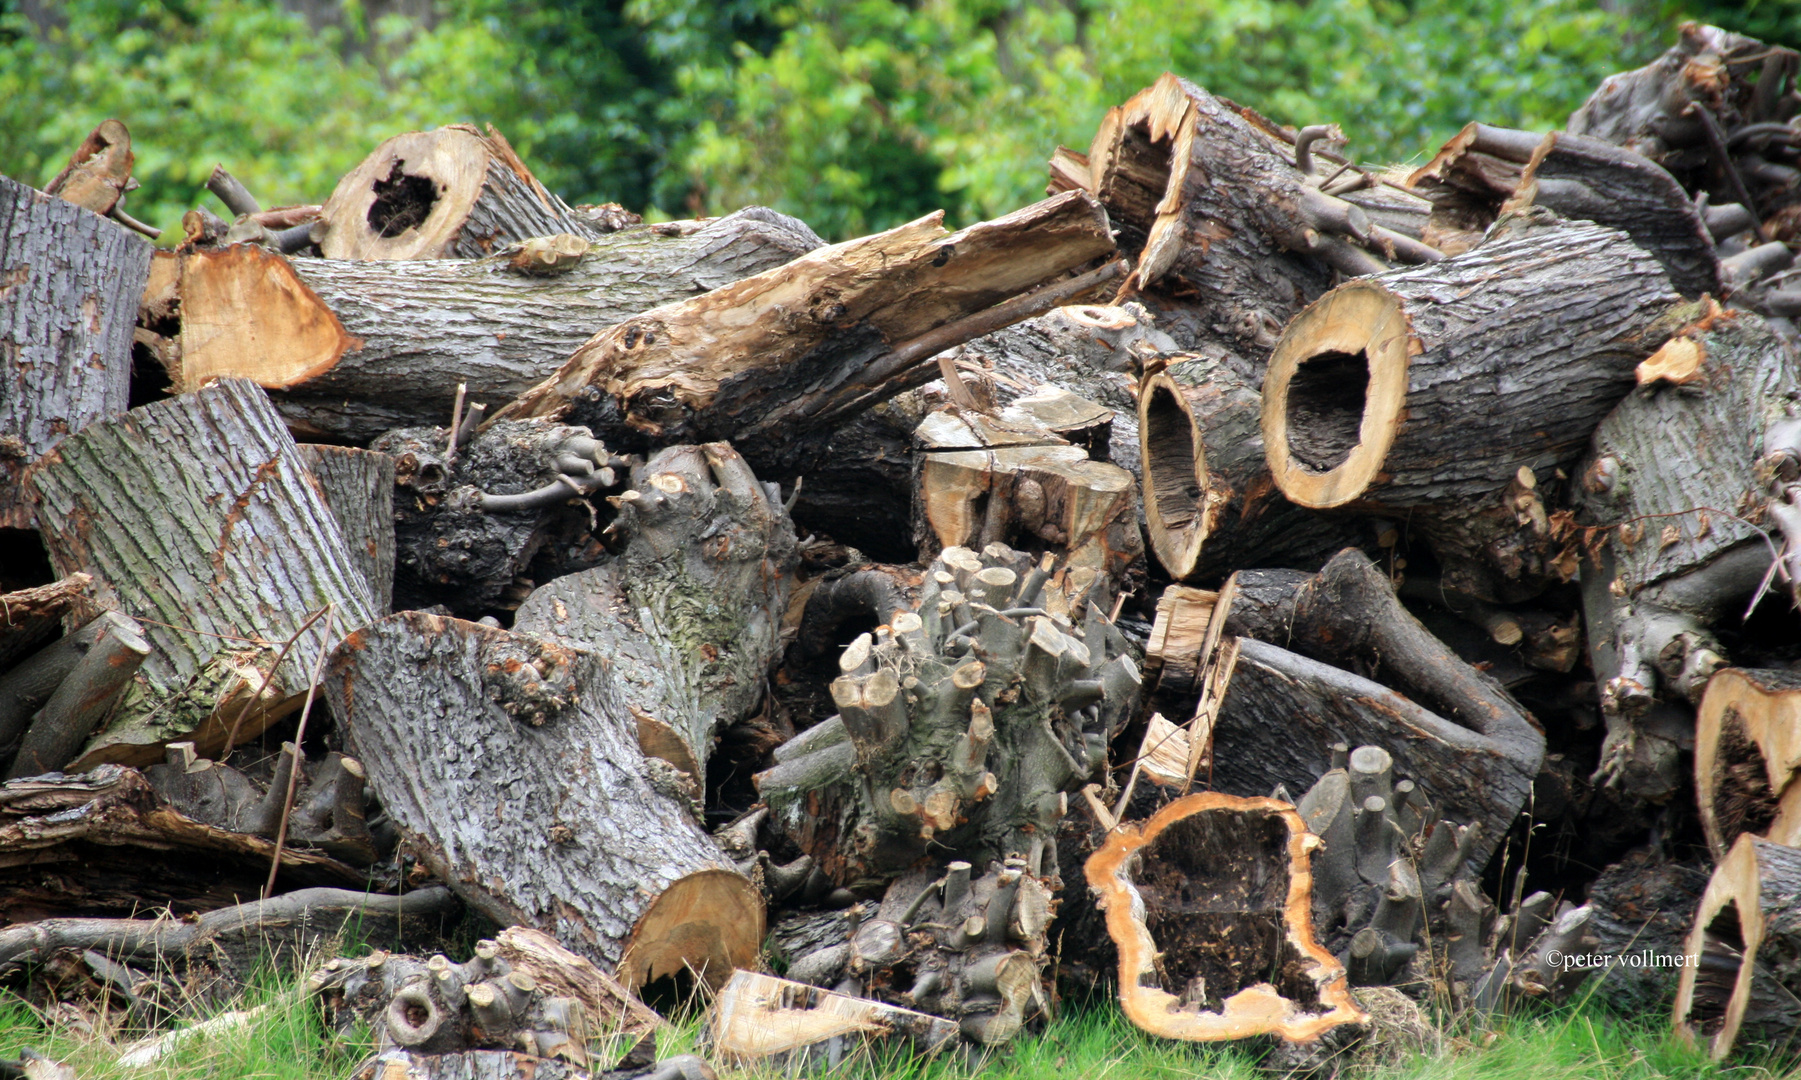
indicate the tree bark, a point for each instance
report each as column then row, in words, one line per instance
column 690, row 612
column 358, row 488
column 83, row 699
column 792, row 352
column 30, row 617
column 221, row 555
column 452, row 193
column 1209, row 904
column 351, row 349
column 1739, row 977
column 1747, row 757
column 461, row 726
column 1468, row 181
column 73, row 284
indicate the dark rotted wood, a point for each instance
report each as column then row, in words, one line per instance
column 788, row 354
column 511, row 766
column 1742, row 975
column 689, row 613
column 1747, row 758
column 351, row 349
column 1469, row 179
column 1643, row 904
column 221, row 556
column 358, row 486
column 73, row 284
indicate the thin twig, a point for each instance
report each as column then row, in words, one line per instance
column 231, row 738
column 456, row 423
column 287, row 802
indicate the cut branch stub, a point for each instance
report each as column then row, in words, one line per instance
column 1210, row 904
column 760, row 1019
column 1739, row 976
column 962, row 728
column 1748, row 757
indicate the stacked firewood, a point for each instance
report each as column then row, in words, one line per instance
column 1243, row 577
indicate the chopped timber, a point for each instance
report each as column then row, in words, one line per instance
column 1209, row 903
column 222, row 556
column 512, row 769
column 689, row 613
column 25, row 687
column 1739, row 977
column 1469, row 180
column 73, row 282
column 84, row 698
column 758, row 1019
column 358, row 487
column 789, row 353
column 1748, row 757
column 452, row 193
column 99, row 172
column 351, row 349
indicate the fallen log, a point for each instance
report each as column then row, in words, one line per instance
column 784, row 356
column 73, row 283
column 358, row 488
column 689, row 613
column 451, row 193
column 351, row 349
column 83, row 699
column 1738, row 978
column 1428, row 390
column 459, row 725
column 1747, row 757
column 1209, row 904
column 759, row 1019
column 221, row 557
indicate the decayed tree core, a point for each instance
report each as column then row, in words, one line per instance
column 1747, row 756
column 1739, row 973
column 1175, row 476
column 1210, row 904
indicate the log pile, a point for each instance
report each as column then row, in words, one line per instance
column 1240, row 578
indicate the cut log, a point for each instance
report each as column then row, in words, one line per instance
column 1429, row 390
column 690, row 612
column 792, row 352
column 964, row 726
column 1739, row 977
column 358, row 488
column 452, row 193
column 25, row 689
column 352, row 349
column 84, row 698
column 765, row 1021
column 460, row 725
column 329, row 810
column 1469, row 180
column 1209, row 904
column 99, row 172
column 1210, row 503
column 221, row 556
column 31, row 617
column 1748, row 756
column 73, row 285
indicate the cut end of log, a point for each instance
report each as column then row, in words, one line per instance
column 407, row 200
column 702, row 927
column 1737, row 975
column 1176, row 506
column 1747, row 755
column 1677, row 362
column 1210, row 904
column 1138, row 164
column 293, row 337
column 1334, row 394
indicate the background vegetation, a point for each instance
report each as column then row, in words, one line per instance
column 852, row 114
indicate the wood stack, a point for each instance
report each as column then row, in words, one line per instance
column 1241, row 516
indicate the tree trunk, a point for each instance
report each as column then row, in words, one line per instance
column 73, row 283
column 464, row 729
column 690, row 612
column 1439, row 391
column 790, row 353
column 352, row 349
column 452, row 193
column 1747, row 757
column 1643, row 903
column 196, row 515
column 1740, row 976
column 1209, row 904
column 1210, row 503
column 358, row 487
column 761, row 1020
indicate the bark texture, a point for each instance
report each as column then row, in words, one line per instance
column 358, row 487
column 73, row 283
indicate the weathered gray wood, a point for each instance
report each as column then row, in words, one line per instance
column 512, row 767
column 73, row 280
column 690, row 612
column 358, row 486
column 84, row 699
column 222, row 555
column 25, row 689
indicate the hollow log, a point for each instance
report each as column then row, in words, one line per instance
column 221, row 556
column 1748, row 756
column 1468, row 180
column 792, row 352
column 452, row 193
column 459, row 725
column 73, row 284
column 1209, row 904
column 758, row 1019
column 1739, row 977
column 1210, row 503
column 690, row 611
column 351, row 349
column 1436, row 391
column 358, row 487
column 962, row 727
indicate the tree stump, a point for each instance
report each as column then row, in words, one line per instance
column 1741, row 976
column 1210, row 906
column 222, row 556
column 690, row 612
column 464, row 729
column 1748, row 756
column 358, row 486
column 73, row 283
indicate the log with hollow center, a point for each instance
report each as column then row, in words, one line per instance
column 1748, row 757
column 1739, row 976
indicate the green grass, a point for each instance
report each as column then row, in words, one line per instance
column 1092, row 1042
